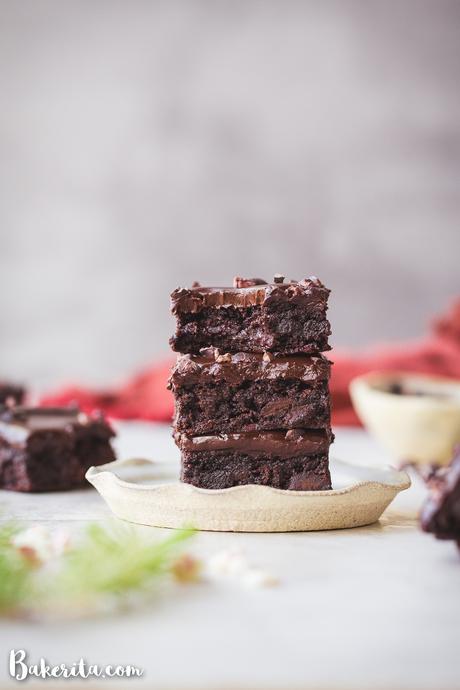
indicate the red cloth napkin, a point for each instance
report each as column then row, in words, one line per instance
column 146, row 397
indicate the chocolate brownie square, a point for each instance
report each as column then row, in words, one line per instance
column 50, row 449
column 249, row 392
column 11, row 394
column 253, row 316
column 296, row 460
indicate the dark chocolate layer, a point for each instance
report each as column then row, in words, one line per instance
column 272, row 443
column 310, row 292
column 212, row 366
column 21, row 421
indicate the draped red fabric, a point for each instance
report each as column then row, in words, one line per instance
column 145, row 395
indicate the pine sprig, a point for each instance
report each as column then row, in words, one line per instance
column 99, row 571
column 116, row 561
column 15, row 573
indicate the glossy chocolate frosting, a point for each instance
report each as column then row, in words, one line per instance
column 284, row 444
column 211, row 366
column 17, row 423
column 309, row 291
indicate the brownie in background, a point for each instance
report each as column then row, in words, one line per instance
column 11, row 394
column 50, row 449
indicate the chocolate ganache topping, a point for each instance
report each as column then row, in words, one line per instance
column 42, row 417
column 250, row 292
column 211, row 365
column 283, row 444
column 17, row 423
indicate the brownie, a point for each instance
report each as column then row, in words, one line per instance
column 11, row 394
column 253, row 316
column 440, row 513
column 295, row 460
column 50, row 449
column 249, row 392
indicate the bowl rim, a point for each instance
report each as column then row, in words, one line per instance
column 364, row 382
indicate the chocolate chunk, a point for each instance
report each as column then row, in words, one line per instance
column 239, row 282
column 227, row 357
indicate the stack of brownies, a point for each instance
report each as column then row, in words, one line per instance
column 251, row 386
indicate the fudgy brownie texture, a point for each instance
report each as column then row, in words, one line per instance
column 222, row 469
column 296, row 459
column 11, row 394
column 251, row 406
column 440, row 513
column 280, row 317
column 251, row 389
column 50, row 449
column 249, row 392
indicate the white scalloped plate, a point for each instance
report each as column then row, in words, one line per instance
column 360, row 496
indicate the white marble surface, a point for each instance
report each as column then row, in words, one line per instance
column 374, row 607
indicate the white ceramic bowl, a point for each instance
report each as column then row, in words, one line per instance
column 420, row 425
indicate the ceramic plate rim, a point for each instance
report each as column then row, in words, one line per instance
column 404, row 481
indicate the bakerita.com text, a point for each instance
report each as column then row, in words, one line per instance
column 20, row 668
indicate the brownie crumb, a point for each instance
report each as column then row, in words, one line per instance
column 226, row 357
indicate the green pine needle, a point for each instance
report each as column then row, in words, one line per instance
column 105, row 563
column 15, row 573
column 116, row 561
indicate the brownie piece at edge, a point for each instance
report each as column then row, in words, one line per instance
column 11, row 394
column 440, row 514
column 50, row 449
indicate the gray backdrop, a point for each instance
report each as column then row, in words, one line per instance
column 147, row 144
